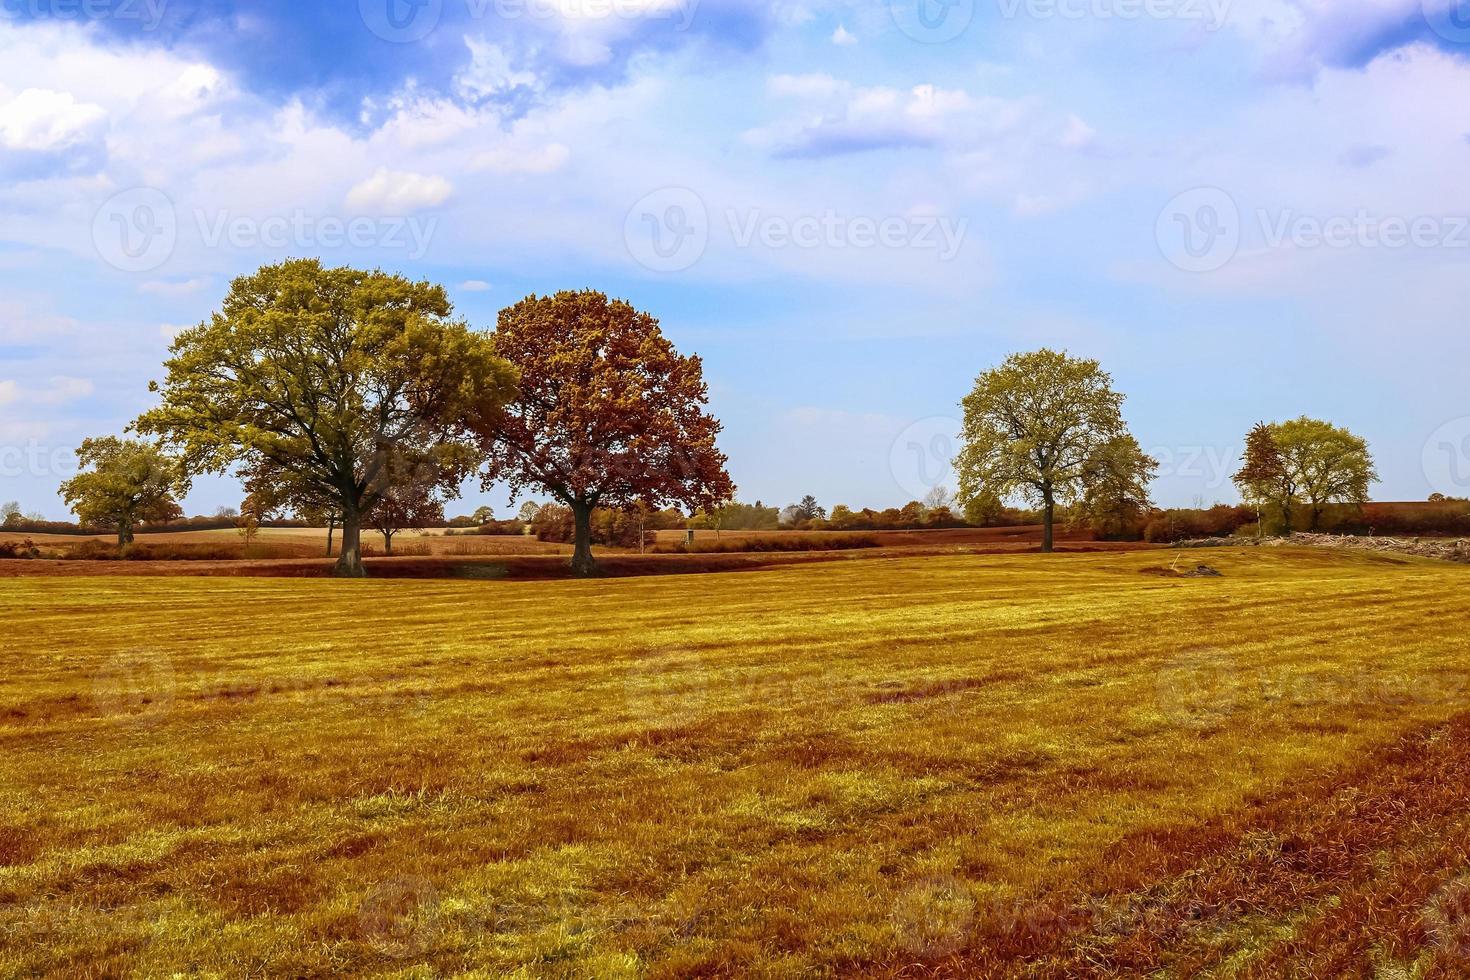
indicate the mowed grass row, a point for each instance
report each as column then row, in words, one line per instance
column 886, row 765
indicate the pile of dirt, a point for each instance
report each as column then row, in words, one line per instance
column 1198, row 571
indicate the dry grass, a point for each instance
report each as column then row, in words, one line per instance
column 956, row 766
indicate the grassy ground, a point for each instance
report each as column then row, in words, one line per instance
column 957, row 766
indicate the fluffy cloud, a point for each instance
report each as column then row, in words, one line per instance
column 42, row 120
column 399, row 192
column 841, row 118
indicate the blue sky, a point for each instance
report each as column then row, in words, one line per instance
column 1247, row 209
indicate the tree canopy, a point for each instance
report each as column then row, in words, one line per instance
column 1305, row 460
column 319, row 378
column 607, row 414
column 1040, row 426
column 124, row 483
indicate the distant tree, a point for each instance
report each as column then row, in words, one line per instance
column 10, row 513
column 608, row 413
column 252, row 513
column 808, row 510
column 792, row 516
column 483, row 515
column 1116, row 500
column 911, row 514
column 842, row 517
column 1263, row 478
column 1437, row 498
column 122, row 484
column 1036, row 427
column 327, row 375
column 736, row 516
column 984, row 510
column 1326, row 463
column 406, row 504
column 528, row 511
column 1309, row 461
column 938, row 498
column 226, row 513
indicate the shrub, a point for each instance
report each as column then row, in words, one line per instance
column 612, row 528
column 773, row 542
column 1220, row 521
column 19, row 549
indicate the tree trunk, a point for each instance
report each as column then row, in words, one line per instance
column 1316, row 516
column 1286, row 517
column 1049, row 520
column 582, row 561
column 331, row 533
column 387, row 542
column 349, row 565
column 124, row 533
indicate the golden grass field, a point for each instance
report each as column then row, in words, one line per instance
column 926, row 766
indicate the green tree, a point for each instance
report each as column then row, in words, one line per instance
column 1116, row 500
column 326, row 376
column 1037, row 427
column 10, row 513
column 608, row 413
column 1325, row 464
column 124, row 483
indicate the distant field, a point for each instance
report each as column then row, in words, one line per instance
column 950, row 765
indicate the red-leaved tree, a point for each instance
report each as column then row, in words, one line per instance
column 607, row 414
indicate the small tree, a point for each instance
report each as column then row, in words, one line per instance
column 248, row 518
column 409, row 504
column 483, row 515
column 608, row 413
column 124, row 483
column 527, row 513
column 1263, row 478
column 938, row 498
column 10, row 513
column 327, row 375
column 1038, row 426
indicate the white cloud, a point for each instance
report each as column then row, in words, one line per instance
column 42, row 120
column 537, row 160
column 399, row 192
column 58, row 391
column 475, row 286
column 165, row 287
column 843, row 38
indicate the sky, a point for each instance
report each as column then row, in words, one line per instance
column 1245, row 209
